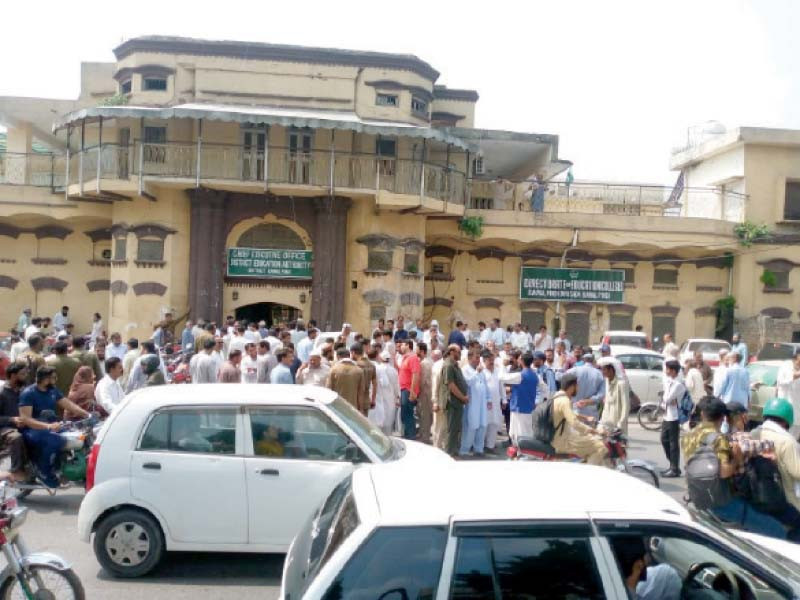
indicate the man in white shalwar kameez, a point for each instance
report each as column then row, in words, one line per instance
column 473, row 429
column 388, row 395
column 497, row 395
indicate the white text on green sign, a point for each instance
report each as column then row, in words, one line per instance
column 572, row 285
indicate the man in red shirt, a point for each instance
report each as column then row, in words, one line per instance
column 408, row 376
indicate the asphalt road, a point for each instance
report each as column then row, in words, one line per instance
column 52, row 527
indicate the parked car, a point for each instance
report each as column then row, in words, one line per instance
column 777, row 351
column 644, row 370
column 231, row 468
column 710, row 349
column 463, row 540
column 763, row 385
column 625, row 338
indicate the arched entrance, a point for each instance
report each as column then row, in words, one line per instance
column 271, row 312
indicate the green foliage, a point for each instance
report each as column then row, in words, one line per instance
column 768, row 278
column 115, row 100
column 724, row 326
column 412, row 269
column 729, row 260
column 749, row 232
column 471, row 226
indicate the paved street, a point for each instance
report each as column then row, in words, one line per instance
column 52, row 527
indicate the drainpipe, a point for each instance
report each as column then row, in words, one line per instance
column 573, row 244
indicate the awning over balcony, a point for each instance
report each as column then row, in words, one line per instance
column 266, row 115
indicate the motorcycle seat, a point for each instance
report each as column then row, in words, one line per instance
column 534, row 445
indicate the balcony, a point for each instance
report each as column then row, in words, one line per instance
column 34, row 169
column 614, row 200
column 125, row 169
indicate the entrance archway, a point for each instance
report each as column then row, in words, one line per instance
column 270, row 312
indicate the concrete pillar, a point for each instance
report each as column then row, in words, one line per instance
column 329, row 280
column 206, row 254
column 19, row 140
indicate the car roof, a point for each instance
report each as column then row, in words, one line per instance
column 234, row 394
column 771, row 363
column 690, row 340
column 623, row 349
column 491, row 490
column 623, row 332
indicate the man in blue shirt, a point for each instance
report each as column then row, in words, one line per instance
column 187, row 338
column 736, row 384
column 591, row 388
column 546, row 375
column 400, row 332
column 43, row 441
column 457, row 336
column 525, row 387
column 282, row 372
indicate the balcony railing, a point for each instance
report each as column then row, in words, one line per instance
column 41, row 170
column 613, row 199
column 271, row 166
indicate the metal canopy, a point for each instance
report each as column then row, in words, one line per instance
column 287, row 117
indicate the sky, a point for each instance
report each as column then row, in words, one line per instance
column 619, row 81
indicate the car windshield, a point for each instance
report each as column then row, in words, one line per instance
column 763, row 374
column 776, row 352
column 768, row 559
column 708, row 346
column 625, row 340
column 373, row 437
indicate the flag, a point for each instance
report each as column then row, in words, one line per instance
column 570, row 178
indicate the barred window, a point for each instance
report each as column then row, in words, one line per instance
column 379, row 260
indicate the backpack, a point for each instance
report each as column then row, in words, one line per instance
column 685, row 408
column 706, row 488
column 544, row 429
column 764, row 486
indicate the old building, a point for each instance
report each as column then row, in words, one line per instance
column 266, row 181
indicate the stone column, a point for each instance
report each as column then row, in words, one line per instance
column 206, row 254
column 329, row 281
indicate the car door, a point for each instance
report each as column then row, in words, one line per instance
column 637, row 375
column 188, row 466
column 654, row 365
column 295, row 455
column 526, row 559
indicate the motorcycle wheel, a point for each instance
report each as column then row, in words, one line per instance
column 56, row 585
column 642, row 474
column 650, row 417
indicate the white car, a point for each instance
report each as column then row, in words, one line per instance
column 520, row 530
column 644, row 370
column 223, row 468
column 625, row 338
column 709, row 348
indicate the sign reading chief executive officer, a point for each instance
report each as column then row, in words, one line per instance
column 572, row 285
column 266, row 263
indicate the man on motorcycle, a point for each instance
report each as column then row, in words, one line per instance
column 573, row 436
column 42, row 438
column 11, row 438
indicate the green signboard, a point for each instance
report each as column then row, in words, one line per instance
column 572, row 285
column 269, row 263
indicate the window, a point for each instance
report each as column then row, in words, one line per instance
column 513, row 566
column 125, row 87
column 481, row 203
column 386, row 100
column 203, row 430
column 296, row 433
column 271, row 235
column 411, row 262
column 661, row 325
column 631, row 361
column 154, row 139
column 578, row 326
column 630, row 276
column 120, row 248
column 418, row 105
column 775, row 280
column 533, row 319
column 440, row 267
column 665, row 277
column 154, row 84
column 620, row 322
column 477, row 166
column 791, row 206
column 385, row 147
column 653, row 363
column 150, row 250
column 377, row 311
column 379, row 260
column 395, row 562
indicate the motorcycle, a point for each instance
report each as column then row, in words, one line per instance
column 616, row 442
column 79, row 437
column 178, row 369
column 31, row 575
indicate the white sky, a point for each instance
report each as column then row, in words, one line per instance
column 618, row 80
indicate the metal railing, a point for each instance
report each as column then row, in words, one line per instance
column 35, row 169
column 284, row 166
column 611, row 199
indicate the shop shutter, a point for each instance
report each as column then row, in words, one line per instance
column 621, row 322
column 578, row 328
column 533, row 319
column 661, row 325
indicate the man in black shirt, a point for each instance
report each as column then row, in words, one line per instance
column 10, row 437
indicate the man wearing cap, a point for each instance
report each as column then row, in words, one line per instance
column 789, row 383
column 388, row 396
column 314, row 372
column 572, row 436
column 347, row 334
column 738, row 346
column 713, row 412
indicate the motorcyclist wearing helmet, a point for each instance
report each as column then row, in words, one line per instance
column 778, row 418
column 151, row 367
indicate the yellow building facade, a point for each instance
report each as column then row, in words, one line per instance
column 208, row 179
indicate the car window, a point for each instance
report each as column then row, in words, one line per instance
column 653, row 363
column 708, row 347
column 300, row 433
column 776, row 351
column 631, row 361
column 366, row 431
column 393, row 563
column 763, row 374
column 624, row 340
column 551, row 565
column 191, row 430
column 667, row 562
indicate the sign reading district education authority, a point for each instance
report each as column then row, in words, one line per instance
column 572, row 285
column 266, row 263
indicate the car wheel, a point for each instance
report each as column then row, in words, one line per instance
column 128, row 543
